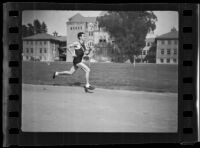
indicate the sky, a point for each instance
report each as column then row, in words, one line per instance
column 56, row 20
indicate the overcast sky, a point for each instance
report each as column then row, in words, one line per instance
column 56, row 20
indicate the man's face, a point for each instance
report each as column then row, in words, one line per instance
column 83, row 37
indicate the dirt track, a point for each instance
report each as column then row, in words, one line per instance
column 48, row 108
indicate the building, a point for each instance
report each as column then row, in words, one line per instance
column 42, row 47
column 148, row 43
column 167, row 48
column 89, row 26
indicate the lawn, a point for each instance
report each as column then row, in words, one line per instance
column 142, row 77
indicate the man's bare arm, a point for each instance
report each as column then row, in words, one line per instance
column 71, row 50
column 88, row 50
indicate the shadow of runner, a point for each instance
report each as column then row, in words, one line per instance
column 89, row 92
column 70, row 84
column 73, row 84
column 76, row 84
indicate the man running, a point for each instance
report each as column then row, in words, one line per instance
column 78, row 54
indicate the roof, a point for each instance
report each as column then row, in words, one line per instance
column 79, row 18
column 146, row 48
column 43, row 36
column 150, row 39
column 173, row 34
column 103, row 13
column 62, row 38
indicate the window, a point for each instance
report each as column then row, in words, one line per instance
column 31, row 50
column 31, row 42
column 71, row 28
column 168, row 60
column 90, row 33
column 148, row 44
column 27, row 57
column 27, row 50
column 162, row 51
column 40, row 50
column 27, row 42
column 45, row 50
column 35, row 42
column 174, row 60
column 175, row 42
column 175, row 51
column 45, row 42
column 169, row 42
column 81, row 27
column 144, row 53
column 161, row 60
column 40, row 42
column 162, row 42
column 168, row 51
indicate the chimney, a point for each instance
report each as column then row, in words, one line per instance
column 173, row 29
column 55, row 34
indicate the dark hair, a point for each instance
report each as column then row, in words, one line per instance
column 80, row 34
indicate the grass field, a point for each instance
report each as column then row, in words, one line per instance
column 142, row 77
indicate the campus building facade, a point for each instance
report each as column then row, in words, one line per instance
column 89, row 26
column 42, row 47
column 167, row 48
column 148, row 43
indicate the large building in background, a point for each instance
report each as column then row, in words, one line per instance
column 42, row 47
column 167, row 48
column 149, row 41
column 89, row 26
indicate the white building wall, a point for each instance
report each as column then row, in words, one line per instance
column 73, row 28
column 101, row 35
column 171, row 57
column 36, row 46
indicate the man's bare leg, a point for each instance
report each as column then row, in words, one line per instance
column 70, row 72
column 87, row 74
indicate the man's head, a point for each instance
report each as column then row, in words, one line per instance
column 81, row 36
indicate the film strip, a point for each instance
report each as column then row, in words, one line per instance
column 12, row 74
column 188, row 72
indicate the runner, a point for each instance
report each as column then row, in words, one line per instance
column 78, row 54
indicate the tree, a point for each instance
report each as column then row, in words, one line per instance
column 107, row 50
column 24, row 30
column 37, row 26
column 151, row 56
column 30, row 30
column 129, row 30
column 43, row 27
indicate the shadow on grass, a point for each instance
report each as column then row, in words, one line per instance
column 76, row 84
column 90, row 92
column 69, row 84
